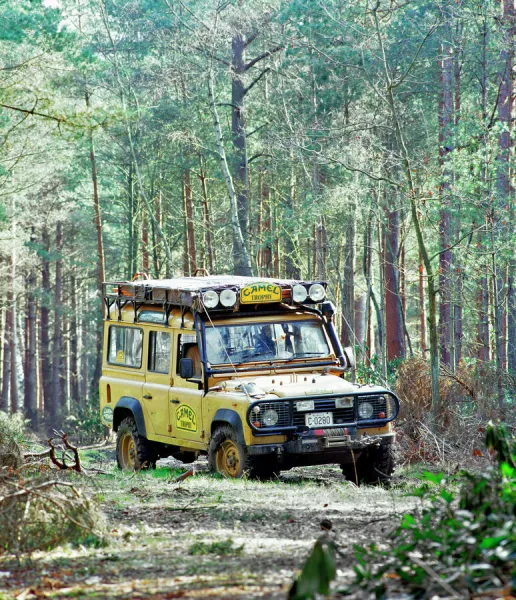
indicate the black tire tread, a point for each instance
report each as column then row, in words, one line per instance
column 145, row 455
column 375, row 466
column 220, row 434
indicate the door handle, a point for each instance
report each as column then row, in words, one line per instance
column 175, row 401
column 147, row 397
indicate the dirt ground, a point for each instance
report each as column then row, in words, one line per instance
column 206, row 537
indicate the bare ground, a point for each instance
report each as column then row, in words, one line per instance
column 207, row 537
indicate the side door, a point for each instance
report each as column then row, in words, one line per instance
column 186, row 396
column 157, row 380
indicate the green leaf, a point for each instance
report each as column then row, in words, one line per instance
column 318, row 572
column 491, row 542
column 433, row 477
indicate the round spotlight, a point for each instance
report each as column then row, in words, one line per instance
column 210, row 299
column 270, row 417
column 365, row 410
column 299, row 293
column 316, row 292
column 228, row 298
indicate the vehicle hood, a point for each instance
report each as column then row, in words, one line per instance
column 293, row 385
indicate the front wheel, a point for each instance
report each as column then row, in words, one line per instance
column 226, row 455
column 374, row 466
column 133, row 452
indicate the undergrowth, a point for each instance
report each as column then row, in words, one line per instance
column 463, row 540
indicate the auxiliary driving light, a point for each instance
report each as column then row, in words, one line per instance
column 270, row 417
column 210, row 299
column 365, row 410
column 299, row 293
column 316, row 292
column 228, row 298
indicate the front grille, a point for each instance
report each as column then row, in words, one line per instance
column 289, row 417
column 340, row 415
column 281, row 408
column 383, row 404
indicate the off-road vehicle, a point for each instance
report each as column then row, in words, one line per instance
column 249, row 371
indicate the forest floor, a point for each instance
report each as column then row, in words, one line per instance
column 206, row 537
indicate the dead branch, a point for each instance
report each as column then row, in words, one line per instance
column 64, row 448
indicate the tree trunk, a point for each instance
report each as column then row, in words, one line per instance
column 74, row 344
column 241, row 260
column 446, row 121
column 57, row 345
column 210, row 250
column 348, row 285
column 46, row 363
column 240, row 165
column 192, row 254
column 30, row 400
column 393, row 316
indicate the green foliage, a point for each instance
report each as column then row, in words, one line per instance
column 465, row 534
column 317, row 573
column 222, row 548
column 84, row 424
column 12, row 429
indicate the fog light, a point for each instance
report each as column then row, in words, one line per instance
column 228, row 298
column 210, row 299
column 365, row 410
column 270, row 417
column 316, row 292
column 299, row 293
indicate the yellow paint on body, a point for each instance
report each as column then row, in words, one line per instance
column 186, row 418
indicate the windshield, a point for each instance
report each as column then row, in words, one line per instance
column 253, row 342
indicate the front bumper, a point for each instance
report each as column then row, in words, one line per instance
column 324, row 445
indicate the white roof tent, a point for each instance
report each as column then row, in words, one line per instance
column 211, row 293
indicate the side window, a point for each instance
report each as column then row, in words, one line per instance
column 125, row 346
column 159, row 352
column 187, row 348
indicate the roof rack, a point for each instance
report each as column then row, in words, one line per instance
column 188, row 293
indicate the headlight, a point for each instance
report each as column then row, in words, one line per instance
column 270, row 417
column 316, row 292
column 365, row 410
column 210, row 299
column 228, row 298
column 299, row 293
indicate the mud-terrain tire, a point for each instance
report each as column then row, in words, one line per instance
column 374, row 466
column 133, row 452
column 226, row 455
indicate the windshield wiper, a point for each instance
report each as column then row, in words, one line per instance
column 300, row 354
column 253, row 355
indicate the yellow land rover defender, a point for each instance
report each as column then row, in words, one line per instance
column 249, row 371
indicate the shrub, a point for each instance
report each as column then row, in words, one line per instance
column 40, row 513
column 463, row 542
column 12, row 439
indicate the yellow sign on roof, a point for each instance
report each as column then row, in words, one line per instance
column 260, row 292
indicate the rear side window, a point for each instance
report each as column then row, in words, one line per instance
column 125, row 346
column 159, row 352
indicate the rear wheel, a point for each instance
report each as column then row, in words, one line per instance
column 133, row 452
column 226, row 455
column 373, row 466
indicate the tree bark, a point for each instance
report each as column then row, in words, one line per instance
column 446, row 146
column 30, row 400
column 57, row 345
column 192, row 253
column 393, row 317
column 241, row 260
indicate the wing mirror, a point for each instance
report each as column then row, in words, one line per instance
column 186, row 368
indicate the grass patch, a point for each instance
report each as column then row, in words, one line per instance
column 222, row 548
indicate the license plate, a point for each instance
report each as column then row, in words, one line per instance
column 319, row 419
